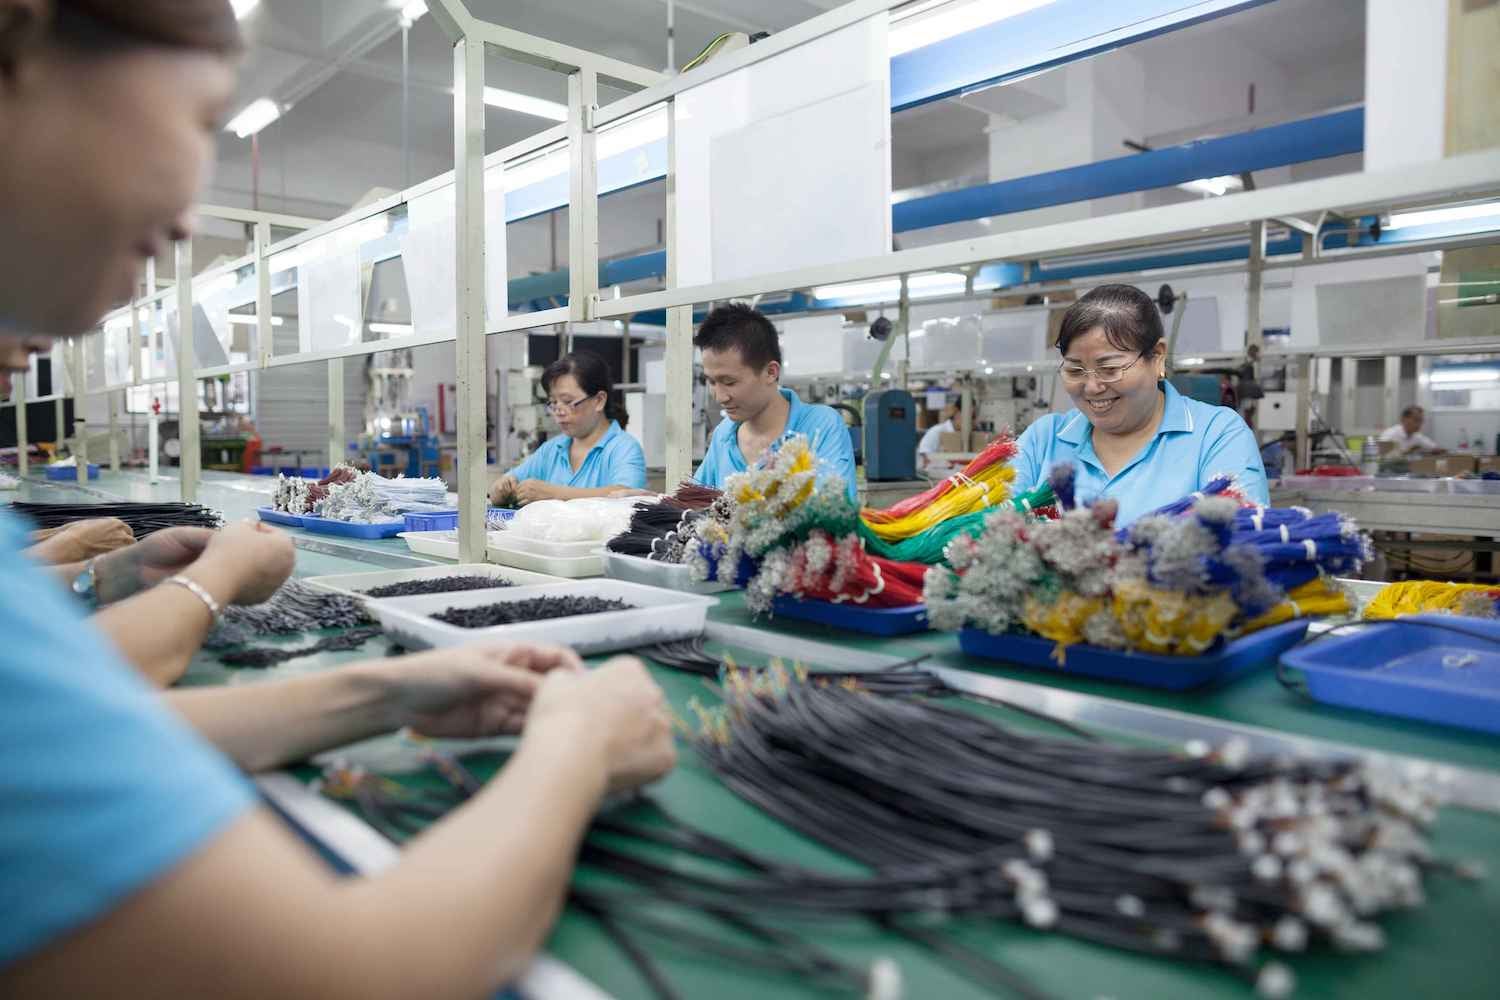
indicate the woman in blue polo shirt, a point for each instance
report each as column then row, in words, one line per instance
column 593, row 456
column 1131, row 436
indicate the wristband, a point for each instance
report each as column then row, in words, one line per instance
column 199, row 592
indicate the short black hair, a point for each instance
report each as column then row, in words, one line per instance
column 591, row 372
column 738, row 325
column 1126, row 314
column 1413, row 411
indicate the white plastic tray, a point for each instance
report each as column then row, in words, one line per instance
column 511, row 539
column 589, row 563
column 355, row 584
column 1475, row 487
column 655, row 615
column 672, row 576
column 440, row 544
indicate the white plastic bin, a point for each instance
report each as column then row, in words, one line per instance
column 655, row 615
column 672, row 576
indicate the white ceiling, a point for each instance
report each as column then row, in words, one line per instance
column 339, row 63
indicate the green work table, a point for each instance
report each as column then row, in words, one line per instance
column 1446, row 948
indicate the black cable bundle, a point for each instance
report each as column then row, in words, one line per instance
column 531, row 609
column 650, row 523
column 263, row 657
column 901, row 679
column 437, row 585
column 143, row 518
column 296, row 607
column 1201, row 857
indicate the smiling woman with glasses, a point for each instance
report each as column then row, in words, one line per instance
column 593, row 456
column 1131, row 436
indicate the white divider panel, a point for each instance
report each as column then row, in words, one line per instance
column 427, row 254
column 116, row 346
column 786, row 163
column 330, row 313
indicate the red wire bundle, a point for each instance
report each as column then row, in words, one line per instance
column 825, row 569
column 1002, row 449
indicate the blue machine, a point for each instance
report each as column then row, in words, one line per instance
column 890, row 435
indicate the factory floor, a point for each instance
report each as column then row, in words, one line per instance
column 1445, row 942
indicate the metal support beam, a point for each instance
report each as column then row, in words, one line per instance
column 679, row 352
column 1304, row 412
column 336, row 442
column 190, row 460
column 114, row 430
column 583, row 201
column 18, row 393
column 255, row 217
column 468, row 188
column 80, row 425
column 263, row 324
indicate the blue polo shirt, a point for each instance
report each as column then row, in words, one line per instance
column 615, row 460
column 104, row 789
column 824, row 428
column 1195, row 443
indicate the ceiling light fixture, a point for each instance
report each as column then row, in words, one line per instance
column 512, row 101
column 391, row 329
column 256, row 116
column 244, row 320
column 1214, row 187
column 243, row 7
column 410, row 12
column 929, row 24
column 1457, row 213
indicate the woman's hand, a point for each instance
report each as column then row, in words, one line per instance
column 81, row 541
column 617, row 710
column 484, row 689
column 501, row 490
column 244, row 563
column 532, row 490
column 141, row 566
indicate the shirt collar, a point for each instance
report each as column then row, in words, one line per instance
column 614, row 428
column 1175, row 418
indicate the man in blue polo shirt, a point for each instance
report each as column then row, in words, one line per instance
column 742, row 365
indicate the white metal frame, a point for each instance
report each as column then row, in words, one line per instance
column 1473, row 175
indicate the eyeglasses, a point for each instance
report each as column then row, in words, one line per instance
column 559, row 407
column 1106, row 374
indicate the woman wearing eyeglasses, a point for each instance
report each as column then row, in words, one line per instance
column 1131, row 436
column 593, row 457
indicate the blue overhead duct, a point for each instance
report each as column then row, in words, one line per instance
column 1335, row 134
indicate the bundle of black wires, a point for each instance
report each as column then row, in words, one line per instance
column 143, row 518
column 650, row 524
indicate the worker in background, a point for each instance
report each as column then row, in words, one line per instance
column 593, row 456
column 1131, row 436
column 742, row 366
column 135, row 855
column 1406, row 437
column 932, row 437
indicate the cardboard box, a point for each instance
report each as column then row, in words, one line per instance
column 952, row 441
column 1488, row 463
column 1442, row 466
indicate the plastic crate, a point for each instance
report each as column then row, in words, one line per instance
column 1437, row 668
column 446, row 520
column 672, row 576
column 655, row 615
column 1168, row 673
column 353, row 529
column 852, row 617
column 69, row 473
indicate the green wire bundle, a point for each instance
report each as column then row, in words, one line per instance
column 928, row 546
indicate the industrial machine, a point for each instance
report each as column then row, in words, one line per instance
column 890, row 435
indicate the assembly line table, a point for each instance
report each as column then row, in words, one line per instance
column 1445, row 948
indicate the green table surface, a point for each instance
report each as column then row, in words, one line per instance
column 1445, row 948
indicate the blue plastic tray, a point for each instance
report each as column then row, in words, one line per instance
column 1422, row 667
column 1169, row 673
column 348, row 529
column 273, row 516
column 69, row 473
column 871, row 621
column 443, row 520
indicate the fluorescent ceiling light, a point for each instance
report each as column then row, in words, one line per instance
column 918, row 286
column 1214, row 187
column 1189, row 362
column 412, row 11
column 243, row 7
column 244, row 320
column 930, row 24
column 632, row 133
column 1449, row 376
column 255, row 117
column 1458, row 213
column 989, row 371
column 512, row 101
column 391, row 329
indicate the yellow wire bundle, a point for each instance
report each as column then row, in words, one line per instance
column 1412, row 597
column 990, row 487
column 1157, row 620
column 1315, row 597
